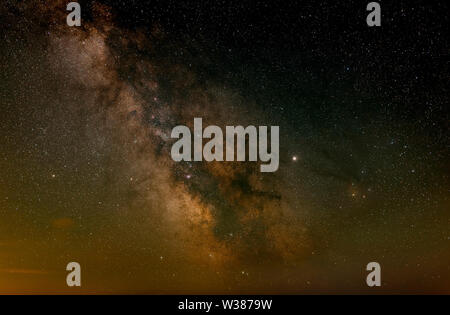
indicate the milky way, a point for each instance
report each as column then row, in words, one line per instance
column 87, row 174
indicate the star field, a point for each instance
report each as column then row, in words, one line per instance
column 86, row 172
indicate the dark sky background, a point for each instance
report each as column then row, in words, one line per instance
column 86, row 173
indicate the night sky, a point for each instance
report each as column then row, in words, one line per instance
column 86, row 173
